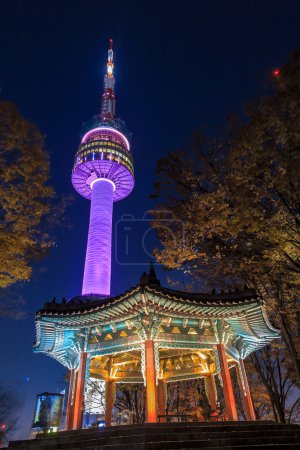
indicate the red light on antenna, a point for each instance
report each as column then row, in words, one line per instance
column 276, row 72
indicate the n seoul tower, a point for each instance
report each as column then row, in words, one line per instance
column 103, row 173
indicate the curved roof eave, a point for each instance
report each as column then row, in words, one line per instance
column 83, row 305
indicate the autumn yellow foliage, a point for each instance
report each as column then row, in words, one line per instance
column 25, row 196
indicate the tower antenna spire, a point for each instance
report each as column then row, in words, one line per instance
column 108, row 96
column 110, row 59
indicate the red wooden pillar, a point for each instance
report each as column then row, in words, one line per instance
column 211, row 391
column 161, row 398
column 151, row 395
column 70, row 404
column 247, row 400
column 230, row 406
column 79, row 393
column 110, row 389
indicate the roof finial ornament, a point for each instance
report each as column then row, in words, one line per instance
column 152, row 278
column 144, row 279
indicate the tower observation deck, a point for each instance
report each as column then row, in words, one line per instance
column 103, row 173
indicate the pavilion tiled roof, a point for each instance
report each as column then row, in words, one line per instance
column 87, row 304
column 59, row 325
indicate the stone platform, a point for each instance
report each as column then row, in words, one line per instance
column 158, row 436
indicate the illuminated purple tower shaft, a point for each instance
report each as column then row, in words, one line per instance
column 97, row 270
column 103, row 173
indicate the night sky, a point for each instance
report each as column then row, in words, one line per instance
column 179, row 65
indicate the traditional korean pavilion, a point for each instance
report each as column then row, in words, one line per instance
column 154, row 335
column 149, row 334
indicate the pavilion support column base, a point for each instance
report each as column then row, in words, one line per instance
column 211, row 391
column 70, row 405
column 79, row 393
column 247, row 399
column 161, row 398
column 150, row 375
column 230, row 406
column 110, row 394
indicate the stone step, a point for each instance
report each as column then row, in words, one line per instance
column 200, row 445
column 238, row 447
column 162, row 428
column 154, row 426
column 147, row 442
column 159, row 437
column 170, row 436
column 294, row 446
column 102, row 436
column 242, row 447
